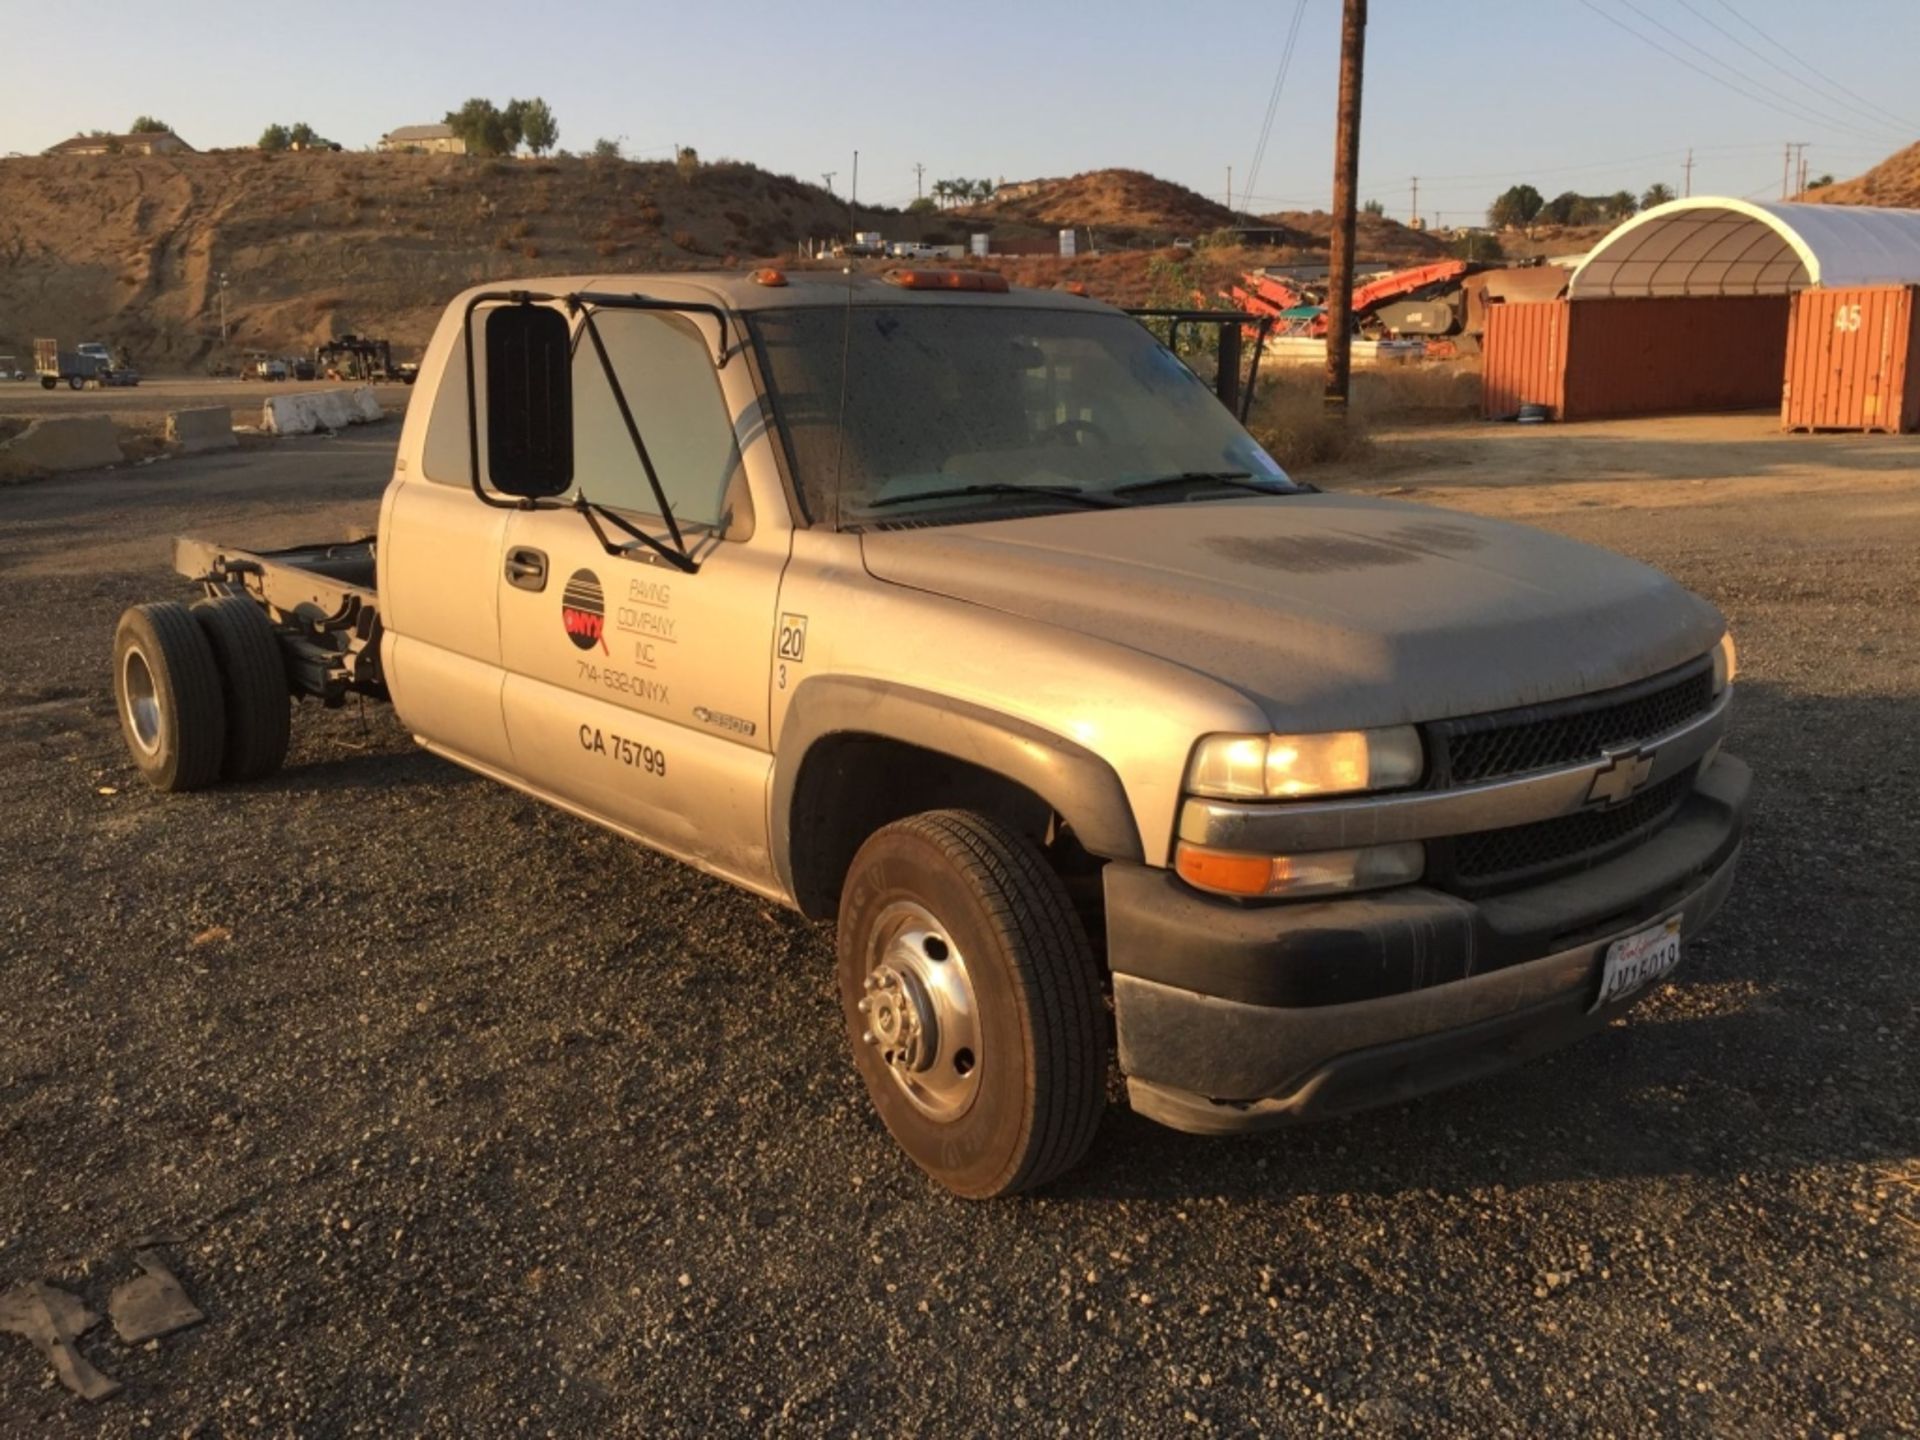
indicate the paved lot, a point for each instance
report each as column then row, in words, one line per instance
column 458, row 1116
column 150, row 400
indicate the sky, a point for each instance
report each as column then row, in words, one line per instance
column 1469, row 95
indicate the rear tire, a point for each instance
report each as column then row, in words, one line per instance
column 253, row 673
column 972, row 1002
column 167, row 686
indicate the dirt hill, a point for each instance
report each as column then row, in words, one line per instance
column 1375, row 236
column 1895, row 181
column 129, row 250
column 1120, row 204
column 1133, row 208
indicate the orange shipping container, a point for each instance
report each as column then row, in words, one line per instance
column 1523, row 358
column 1664, row 355
column 1853, row 361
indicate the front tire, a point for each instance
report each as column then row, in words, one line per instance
column 168, row 691
column 972, row 1002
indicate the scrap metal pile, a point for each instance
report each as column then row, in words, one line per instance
column 1441, row 302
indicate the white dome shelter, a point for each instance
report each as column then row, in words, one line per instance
column 1708, row 245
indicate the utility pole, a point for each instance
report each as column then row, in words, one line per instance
column 853, row 199
column 1229, row 187
column 1786, row 169
column 223, row 307
column 918, row 171
column 1346, row 180
column 1687, row 188
column 1414, row 209
column 827, row 175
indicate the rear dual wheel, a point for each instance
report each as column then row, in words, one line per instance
column 202, row 693
column 972, row 1002
column 254, row 680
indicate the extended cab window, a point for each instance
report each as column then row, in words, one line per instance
column 666, row 372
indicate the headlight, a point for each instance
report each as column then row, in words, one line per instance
column 1323, row 872
column 1725, row 664
column 1340, row 762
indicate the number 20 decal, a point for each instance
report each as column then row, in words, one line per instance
column 792, row 642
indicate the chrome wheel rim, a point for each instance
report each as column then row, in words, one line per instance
column 919, row 1014
column 140, row 701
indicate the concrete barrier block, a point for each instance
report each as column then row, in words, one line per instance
column 195, row 431
column 72, row 442
column 306, row 411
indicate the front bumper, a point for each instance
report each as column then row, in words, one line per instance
column 1235, row 1017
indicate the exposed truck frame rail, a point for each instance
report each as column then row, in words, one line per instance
column 321, row 601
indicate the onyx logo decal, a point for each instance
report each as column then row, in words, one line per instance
column 583, row 610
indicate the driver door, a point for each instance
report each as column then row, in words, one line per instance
column 636, row 692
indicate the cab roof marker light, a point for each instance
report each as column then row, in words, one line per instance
column 991, row 282
column 769, row 275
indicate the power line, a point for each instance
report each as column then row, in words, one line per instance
column 1273, row 97
column 1712, row 24
column 1809, row 68
column 1745, row 78
column 1786, row 108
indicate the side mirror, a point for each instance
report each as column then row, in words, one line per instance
column 529, row 401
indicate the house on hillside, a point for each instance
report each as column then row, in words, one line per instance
column 424, row 139
column 1017, row 190
column 152, row 142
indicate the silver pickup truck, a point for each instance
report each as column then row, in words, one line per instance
column 971, row 619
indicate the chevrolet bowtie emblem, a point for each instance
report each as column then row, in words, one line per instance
column 1625, row 772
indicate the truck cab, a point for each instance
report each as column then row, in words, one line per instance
column 968, row 619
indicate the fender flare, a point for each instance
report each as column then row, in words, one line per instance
column 1080, row 786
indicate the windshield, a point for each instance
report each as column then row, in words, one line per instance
column 988, row 405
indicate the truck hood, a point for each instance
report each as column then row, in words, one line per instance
column 1328, row 610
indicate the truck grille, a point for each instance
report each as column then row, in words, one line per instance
column 1521, row 854
column 1479, row 748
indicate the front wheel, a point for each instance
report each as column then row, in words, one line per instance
column 972, row 1001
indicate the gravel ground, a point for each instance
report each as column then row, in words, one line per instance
column 458, row 1116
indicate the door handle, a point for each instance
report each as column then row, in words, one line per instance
column 527, row 568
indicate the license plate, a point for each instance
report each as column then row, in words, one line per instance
column 1638, row 960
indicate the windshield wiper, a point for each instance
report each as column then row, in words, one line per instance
column 680, row 559
column 953, row 492
column 1238, row 479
